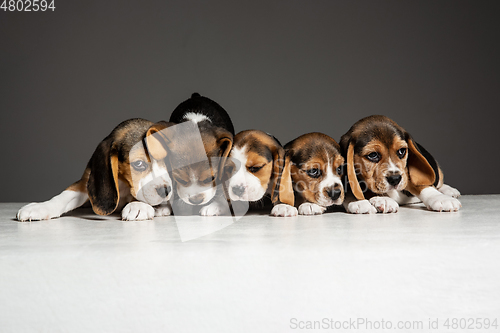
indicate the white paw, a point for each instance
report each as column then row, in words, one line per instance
column 136, row 211
column 308, row 208
column 284, row 210
column 214, row 209
column 163, row 210
column 384, row 204
column 361, row 207
column 442, row 203
column 449, row 191
column 37, row 211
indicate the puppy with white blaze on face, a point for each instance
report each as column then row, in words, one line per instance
column 317, row 167
column 202, row 144
column 386, row 168
column 258, row 167
column 122, row 170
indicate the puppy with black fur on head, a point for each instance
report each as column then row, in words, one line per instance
column 197, row 171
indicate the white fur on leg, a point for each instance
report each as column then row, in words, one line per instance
column 219, row 206
column 137, row 211
column 309, row 208
column 384, row 204
column 64, row 202
column 449, row 191
column 361, row 207
column 435, row 200
column 163, row 210
column 284, row 210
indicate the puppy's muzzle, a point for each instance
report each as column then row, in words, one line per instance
column 238, row 190
column 163, row 191
column 394, row 180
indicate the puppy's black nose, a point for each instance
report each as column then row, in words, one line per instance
column 196, row 199
column 334, row 194
column 163, row 191
column 238, row 190
column 394, row 180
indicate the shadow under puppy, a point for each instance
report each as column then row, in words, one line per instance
column 258, row 167
column 197, row 168
column 316, row 169
column 120, row 170
column 387, row 167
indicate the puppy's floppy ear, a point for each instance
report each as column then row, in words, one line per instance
column 157, row 141
column 420, row 171
column 351, row 174
column 225, row 143
column 102, row 185
column 282, row 188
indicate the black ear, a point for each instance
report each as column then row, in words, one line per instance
column 102, row 185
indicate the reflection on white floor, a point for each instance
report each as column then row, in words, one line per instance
column 86, row 273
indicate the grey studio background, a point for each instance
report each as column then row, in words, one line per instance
column 286, row 67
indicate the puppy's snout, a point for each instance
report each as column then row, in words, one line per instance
column 238, row 190
column 394, row 179
column 196, row 199
column 163, row 191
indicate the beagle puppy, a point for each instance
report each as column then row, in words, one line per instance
column 258, row 166
column 121, row 169
column 198, row 171
column 386, row 167
column 316, row 168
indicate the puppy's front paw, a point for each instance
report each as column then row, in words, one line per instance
column 308, row 208
column 163, row 210
column 442, row 203
column 449, row 191
column 284, row 210
column 137, row 211
column 361, row 207
column 37, row 211
column 384, row 204
column 214, row 209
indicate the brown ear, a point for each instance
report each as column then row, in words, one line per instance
column 156, row 140
column 351, row 174
column 282, row 190
column 225, row 142
column 102, row 185
column 419, row 169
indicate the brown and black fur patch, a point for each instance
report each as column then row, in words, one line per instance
column 314, row 151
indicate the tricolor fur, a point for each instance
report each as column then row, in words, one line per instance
column 384, row 164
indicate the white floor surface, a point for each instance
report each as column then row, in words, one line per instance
column 87, row 273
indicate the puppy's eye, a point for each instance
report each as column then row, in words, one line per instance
column 139, row 165
column 181, row 181
column 314, row 173
column 373, row 157
column 339, row 170
column 208, row 180
column 254, row 169
column 401, row 153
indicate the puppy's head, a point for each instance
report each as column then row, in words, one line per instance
column 257, row 166
column 317, row 167
column 384, row 156
column 123, row 156
column 199, row 154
